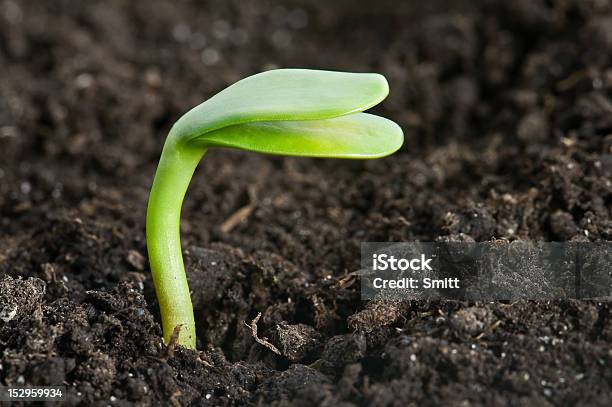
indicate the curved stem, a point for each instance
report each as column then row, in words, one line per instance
column 174, row 172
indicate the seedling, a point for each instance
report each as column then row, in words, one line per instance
column 295, row 112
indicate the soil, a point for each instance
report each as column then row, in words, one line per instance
column 507, row 115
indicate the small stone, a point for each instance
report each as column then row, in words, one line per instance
column 533, row 127
column 84, row 81
column 210, row 56
column 8, row 313
column 136, row 260
column 153, row 77
column 181, row 32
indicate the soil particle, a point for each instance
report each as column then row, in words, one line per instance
column 532, row 127
column 293, row 383
column 97, row 374
column 597, row 37
column 136, row 260
column 296, row 341
column 211, row 272
column 376, row 314
column 19, row 298
column 477, row 222
column 341, row 350
column 471, row 321
column 562, row 225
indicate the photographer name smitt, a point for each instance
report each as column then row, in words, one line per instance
column 416, row 283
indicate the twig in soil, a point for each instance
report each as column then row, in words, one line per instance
column 261, row 341
column 347, row 280
column 236, row 218
column 169, row 352
column 174, row 399
column 572, row 80
column 202, row 361
column 241, row 214
column 49, row 272
column 488, row 330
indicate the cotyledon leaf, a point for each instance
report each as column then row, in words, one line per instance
column 358, row 135
column 283, row 94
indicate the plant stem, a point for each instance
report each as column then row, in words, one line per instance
column 174, row 172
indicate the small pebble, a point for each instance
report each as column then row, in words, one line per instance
column 210, row 56
column 84, row 81
column 136, row 260
column 181, row 32
column 221, row 29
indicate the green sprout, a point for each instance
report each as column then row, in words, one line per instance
column 294, row 112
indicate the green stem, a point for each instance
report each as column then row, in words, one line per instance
column 174, row 172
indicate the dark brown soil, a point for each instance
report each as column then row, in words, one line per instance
column 507, row 114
